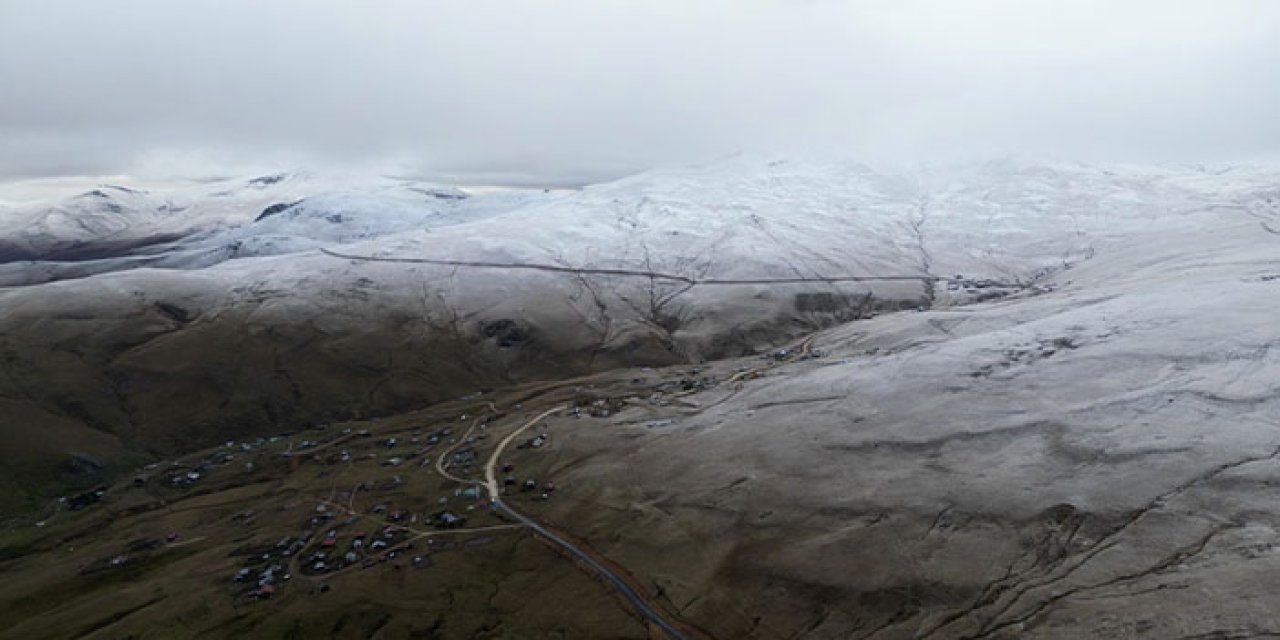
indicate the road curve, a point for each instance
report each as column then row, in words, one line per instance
column 490, row 475
column 442, row 461
column 642, row 607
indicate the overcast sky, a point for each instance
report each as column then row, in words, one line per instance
column 558, row 90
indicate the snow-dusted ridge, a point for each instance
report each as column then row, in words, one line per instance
column 165, row 317
column 997, row 218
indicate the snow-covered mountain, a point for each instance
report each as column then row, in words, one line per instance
column 137, row 320
column 744, row 217
column 110, row 219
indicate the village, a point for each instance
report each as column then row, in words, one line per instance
column 393, row 516
column 388, row 507
column 431, row 500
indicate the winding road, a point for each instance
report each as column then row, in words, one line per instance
column 642, row 606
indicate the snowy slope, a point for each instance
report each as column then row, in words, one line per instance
column 109, row 219
column 740, row 218
column 210, row 308
column 1099, row 461
column 1087, row 449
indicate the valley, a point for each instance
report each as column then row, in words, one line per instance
column 996, row 401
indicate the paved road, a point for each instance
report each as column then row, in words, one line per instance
column 495, row 498
column 642, row 607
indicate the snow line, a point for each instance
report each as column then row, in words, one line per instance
column 653, row 275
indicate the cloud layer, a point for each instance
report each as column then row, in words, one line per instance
column 545, row 90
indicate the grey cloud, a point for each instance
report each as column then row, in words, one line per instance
column 558, row 90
